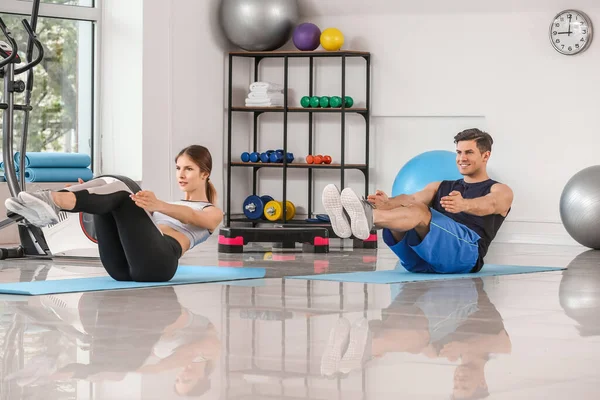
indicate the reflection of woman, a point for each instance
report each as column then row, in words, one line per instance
column 121, row 329
column 191, row 342
column 148, row 331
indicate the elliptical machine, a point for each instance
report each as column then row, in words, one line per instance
column 32, row 239
column 74, row 235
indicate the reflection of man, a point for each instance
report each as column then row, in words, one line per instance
column 453, row 320
column 146, row 332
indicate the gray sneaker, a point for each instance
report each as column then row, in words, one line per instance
column 13, row 204
column 42, row 203
column 360, row 212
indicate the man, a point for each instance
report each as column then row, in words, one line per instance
column 446, row 228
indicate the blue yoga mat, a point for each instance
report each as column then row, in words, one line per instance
column 401, row 275
column 185, row 275
column 57, row 174
column 56, row 160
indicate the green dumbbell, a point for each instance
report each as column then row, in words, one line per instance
column 349, row 101
column 305, row 101
column 315, row 101
column 335, row 101
column 324, row 102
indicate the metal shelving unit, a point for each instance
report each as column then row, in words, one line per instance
column 286, row 109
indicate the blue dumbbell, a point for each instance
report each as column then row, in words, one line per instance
column 290, row 158
column 264, row 157
column 276, row 157
column 254, row 157
column 245, row 157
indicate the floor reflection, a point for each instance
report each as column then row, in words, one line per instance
column 579, row 292
column 508, row 336
column 454, row 322
column 54, row 341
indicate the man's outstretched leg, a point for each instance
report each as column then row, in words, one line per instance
column 424, row 239
column 398, row 220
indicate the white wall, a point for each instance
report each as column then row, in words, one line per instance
column 119, row 132
column 183, row 89
column 437, row 70
column 162, row 89
column 439, row 78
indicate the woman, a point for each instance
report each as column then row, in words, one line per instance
column 140, row 238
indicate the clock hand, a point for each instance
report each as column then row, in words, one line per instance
column 569, row 25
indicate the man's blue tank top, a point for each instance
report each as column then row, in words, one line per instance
column 486, row 227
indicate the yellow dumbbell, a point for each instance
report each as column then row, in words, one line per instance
column 274, row 210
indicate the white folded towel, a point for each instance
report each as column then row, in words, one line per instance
column 265, row 86
column 263, row 102
column 265, row 95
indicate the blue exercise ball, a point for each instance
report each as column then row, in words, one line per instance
column 418, row 172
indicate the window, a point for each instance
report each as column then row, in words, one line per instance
column 63, row 93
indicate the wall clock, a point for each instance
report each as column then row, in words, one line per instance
column 571, row 32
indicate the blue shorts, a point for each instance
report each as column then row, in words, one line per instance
column 449, row 247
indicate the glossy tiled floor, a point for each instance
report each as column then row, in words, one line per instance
column 534, row 336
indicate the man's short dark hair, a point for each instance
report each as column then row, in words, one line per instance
column 483, row 139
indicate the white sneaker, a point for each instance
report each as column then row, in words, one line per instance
column 12, row 204
column 41, row 201
column 336, row 346
column 334, row 209
column 360, row 212
column 357, row 352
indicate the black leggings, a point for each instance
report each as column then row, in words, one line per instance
column 133, row 330
column 131, row 246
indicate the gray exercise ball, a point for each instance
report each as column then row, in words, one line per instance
column 259, row 25
column 579, row 292
column 580, row 207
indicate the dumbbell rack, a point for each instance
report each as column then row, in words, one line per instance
column 295, row 230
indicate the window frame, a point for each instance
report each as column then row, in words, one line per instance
column 78, row 13
column 93, row 14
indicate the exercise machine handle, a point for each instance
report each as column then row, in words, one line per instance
column 38, row 45
column 12, row 43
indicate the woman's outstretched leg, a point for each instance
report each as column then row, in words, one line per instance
column 100, row 199
column 150, row 256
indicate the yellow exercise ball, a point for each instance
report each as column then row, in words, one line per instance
column 332, row 39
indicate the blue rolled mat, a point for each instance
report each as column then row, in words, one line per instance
column 57, row 174
column 2, row 167
column 56, row 160
column 185, row 275
column 402, row 275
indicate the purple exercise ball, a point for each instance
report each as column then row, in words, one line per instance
column 307, row 37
